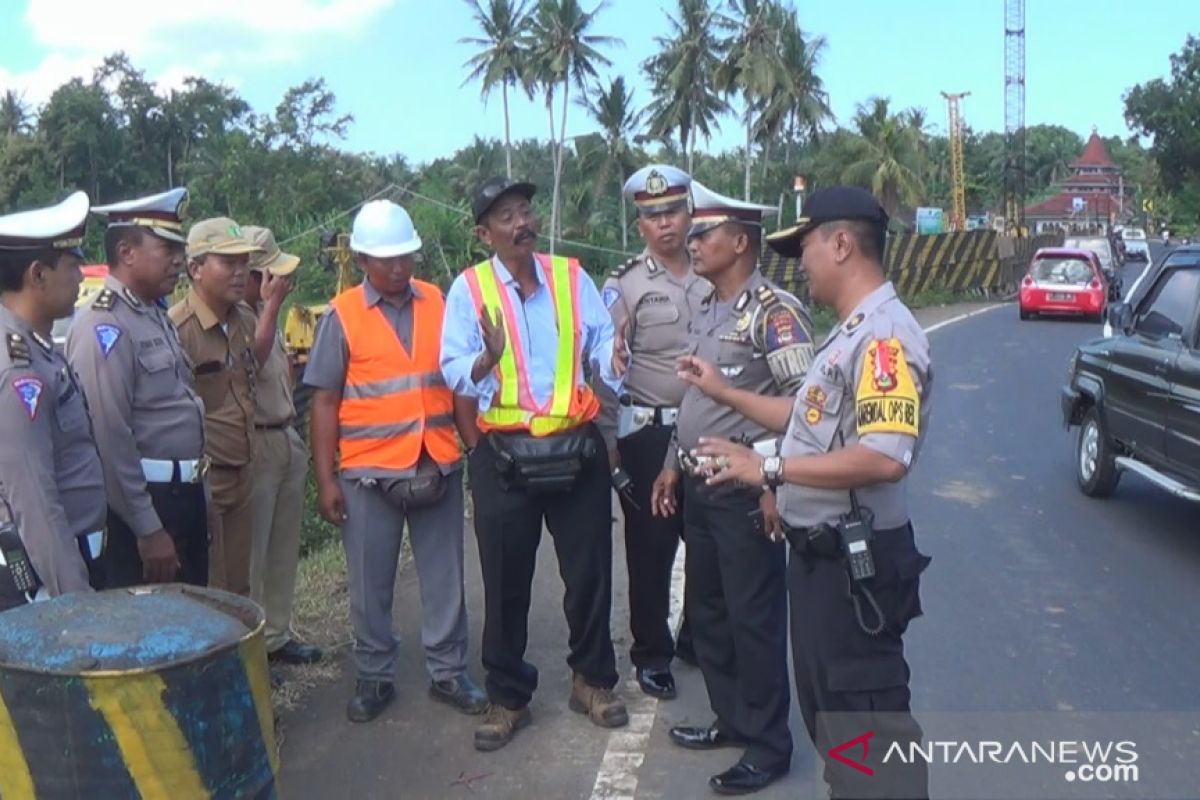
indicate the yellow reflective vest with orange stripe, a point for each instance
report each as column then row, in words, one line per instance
column 513, row 407
column 394, row 403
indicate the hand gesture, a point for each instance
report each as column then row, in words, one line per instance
column 275, row 288
column 772, row 522
column 664, row 493
column 703, row 375
column 730, row 462
column 620, row 355
column 331, row 503
column 493, row 334
column 160, row 562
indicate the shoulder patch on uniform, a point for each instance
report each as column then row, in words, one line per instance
column 610, row 295
column 107, row 336
column 855, row 321
column 886, row 400
column 18, row 350
column 782, row 327
column 29, row 390
column 105, row 300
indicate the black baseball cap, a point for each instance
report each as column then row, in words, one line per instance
column 828, row 205
column 491, row 190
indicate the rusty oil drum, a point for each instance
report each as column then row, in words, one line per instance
column 153, row 692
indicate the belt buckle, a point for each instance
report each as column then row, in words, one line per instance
column 642, row 417
column 202, row 465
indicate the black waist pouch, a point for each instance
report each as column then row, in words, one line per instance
column 540, row 464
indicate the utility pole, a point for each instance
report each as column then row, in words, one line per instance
column 1014, row 117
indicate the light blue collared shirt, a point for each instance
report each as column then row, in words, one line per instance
column 462, row 337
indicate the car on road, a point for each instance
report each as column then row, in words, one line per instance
column 1063, row 281
column 1137, row 247
column 1135, row 396
column 1108, row 259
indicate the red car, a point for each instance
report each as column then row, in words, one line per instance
column 1064, row 281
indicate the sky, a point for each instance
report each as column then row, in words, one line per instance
column 397, row 66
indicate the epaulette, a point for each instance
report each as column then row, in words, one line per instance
column 18, row 350
column 619, row 272
column 766, row 296
column 105, row 300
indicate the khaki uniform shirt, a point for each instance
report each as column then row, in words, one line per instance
column 50, row 472
column 870, row 380
column 761, row 341
column 222, row 355
column 137, row 380
column 273, row 395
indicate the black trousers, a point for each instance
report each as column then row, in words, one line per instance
column 737, row 598
column 650, row 546
column 508, row 529
column 11, row 598
column 849, row 682
column 184, row 514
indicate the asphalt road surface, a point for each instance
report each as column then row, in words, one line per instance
column 1038, row 599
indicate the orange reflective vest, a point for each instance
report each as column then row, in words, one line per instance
column 513, row 407
column 394, row 403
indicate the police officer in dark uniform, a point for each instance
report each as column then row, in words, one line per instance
column 149, row 422
column 760, row 337
column 651, row 299
column 853, row 432
column 50, row 477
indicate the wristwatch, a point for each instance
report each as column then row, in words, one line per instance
column 772, row 470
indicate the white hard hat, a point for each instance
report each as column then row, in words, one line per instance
column 384, row 229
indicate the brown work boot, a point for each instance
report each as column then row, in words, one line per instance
column 499, row 726
column 602, row 706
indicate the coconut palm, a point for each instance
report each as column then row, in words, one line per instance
column 15, row 117
column 613, row 111
column 682, row 74
column 888, row 156
column 799, row 104
column 503, row 60
column 754, row 69
column 563, row 54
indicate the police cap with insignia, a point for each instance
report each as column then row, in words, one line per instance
column 488, row 193
column 161, row 214
column 710, row 209
column 658, row 189
column 58, row 227
column 829, row 205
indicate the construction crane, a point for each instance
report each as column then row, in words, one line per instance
column 958, row 214
column 1014, row 117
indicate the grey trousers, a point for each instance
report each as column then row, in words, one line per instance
column 372, row 534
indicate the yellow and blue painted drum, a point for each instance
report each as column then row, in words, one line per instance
column 146, row 693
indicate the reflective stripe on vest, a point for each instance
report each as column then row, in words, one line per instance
column 514, row 408
column 394, row 404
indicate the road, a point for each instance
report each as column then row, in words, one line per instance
column 1038, row 599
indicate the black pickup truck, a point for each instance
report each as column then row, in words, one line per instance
column 1135, row 395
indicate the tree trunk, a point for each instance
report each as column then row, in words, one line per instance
column 624, row 221
column 562, row 142
column 765, row 160
column 170, row 168
column 553, row 160
column 690, row 146
column 749, row 156
column 507, row 136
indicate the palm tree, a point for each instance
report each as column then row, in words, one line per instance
column 503, row 58
column 15, row 117
column 799, row 103
column 888, row 157
column 754, row 68
column 613, row 110
column 563, row 54
column 682, row 73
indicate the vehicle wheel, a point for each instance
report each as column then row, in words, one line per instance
column 1026, row 314
column 1095, row 463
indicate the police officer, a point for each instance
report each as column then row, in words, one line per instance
column 217, row 331
column 760, row 338
column 853, row 432
column 51, row 481
column 651, row 299
column 149, row 423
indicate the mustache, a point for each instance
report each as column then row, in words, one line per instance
column 524, row 235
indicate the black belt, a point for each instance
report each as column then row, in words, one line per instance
column 283, row 426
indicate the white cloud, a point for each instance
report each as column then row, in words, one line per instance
column 215, row 38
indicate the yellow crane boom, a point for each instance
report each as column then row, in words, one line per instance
column 958, row 191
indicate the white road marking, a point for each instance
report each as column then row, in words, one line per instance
column 617, row 778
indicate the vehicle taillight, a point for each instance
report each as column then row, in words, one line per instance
column 1095, row 284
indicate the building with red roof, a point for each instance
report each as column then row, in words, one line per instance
column 1090, row 199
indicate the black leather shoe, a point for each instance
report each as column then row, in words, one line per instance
column 461, row 693
column 658, row 683
column 296, row 652
column 695, row 738
column 370, row 698
column 743, row 778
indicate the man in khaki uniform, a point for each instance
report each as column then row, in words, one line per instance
column 217, row 330
column 280, row 457
column 651, row 299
